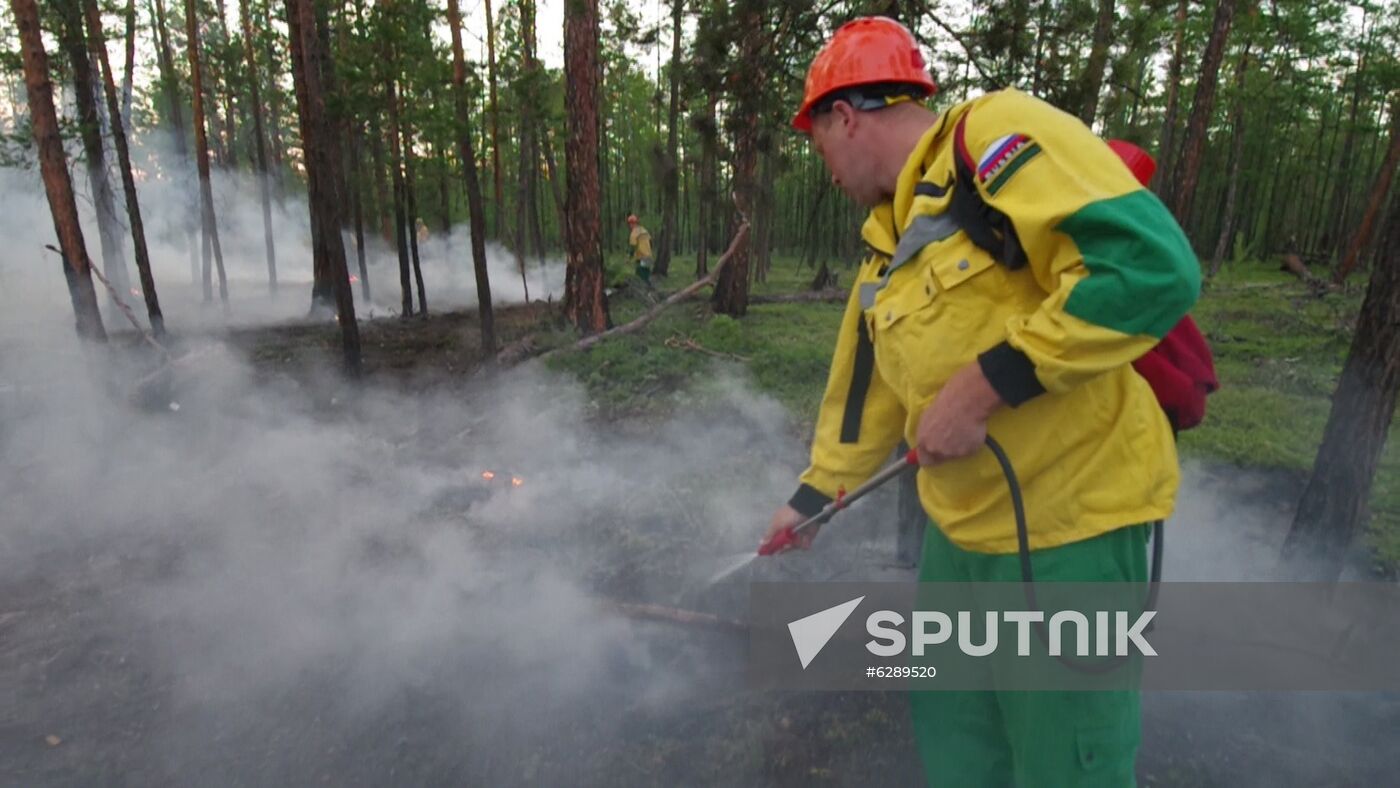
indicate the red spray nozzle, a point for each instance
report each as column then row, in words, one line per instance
column 783, row 539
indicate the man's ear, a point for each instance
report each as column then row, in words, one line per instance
column 843, row 113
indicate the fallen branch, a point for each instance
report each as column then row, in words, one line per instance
column 674, row 298
column 678, row 342
column 125, row 310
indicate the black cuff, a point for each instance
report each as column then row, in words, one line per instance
column 1011, row 373
column 807, row 501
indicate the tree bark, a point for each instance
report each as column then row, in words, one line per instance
column 53, row 167
column 210, row 228
column 495, row 116
column 310, row 67
column 1379, row 189
column 670, row 176
column 1098, row 58
column 708, row 144
column 259, row 144
column 732, row 289
column 396, row 171
column 475, row 208
column 552, row 171
column 86, row 93
column 1167, row 148
column 98, row 45
column 1227, row 228
column 1188, row 167
column 1341, row 201
column 411, row 205
column 585, row 304
column 382, row 202
column 357, row 210
column 129, row 70
column 1334, row 504
column 169, row 80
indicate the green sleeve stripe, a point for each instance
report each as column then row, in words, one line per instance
column 1016, row 164
column 1143, row 275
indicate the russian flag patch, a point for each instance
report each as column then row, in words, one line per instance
column 1002, row 158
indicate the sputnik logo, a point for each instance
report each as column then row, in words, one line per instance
column 811, row 633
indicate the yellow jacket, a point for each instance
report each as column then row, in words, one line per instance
column 640, row 241
column 1109, row 273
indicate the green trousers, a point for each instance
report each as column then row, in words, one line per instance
column 1040, row 739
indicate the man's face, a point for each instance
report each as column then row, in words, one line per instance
column 839, row 137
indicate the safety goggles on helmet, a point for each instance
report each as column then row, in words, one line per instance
column 867, row 98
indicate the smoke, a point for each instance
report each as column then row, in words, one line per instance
column 33, row 286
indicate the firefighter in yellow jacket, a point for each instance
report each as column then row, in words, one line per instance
column 640, row 241
column 943, row 342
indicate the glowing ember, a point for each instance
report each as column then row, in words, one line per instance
column 488, row 475
column 516, row 481
column 135, row 292
column 354, row 279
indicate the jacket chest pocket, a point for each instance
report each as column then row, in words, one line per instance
column 941, row 316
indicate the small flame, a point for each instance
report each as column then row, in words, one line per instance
column 488, row 475
column 354, row 279
column 516, row 481
column 135, row 292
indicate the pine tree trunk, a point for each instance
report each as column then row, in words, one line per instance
column 130, row 66
column 1334, row 504
column 1379, row 189
column 411, row 204
column 1228, row 214
column 708, row 143
column 259, row 145
column 311, row 69
column 670, row 176
column 382, row 202
column 585, row 304
column 98, row 46
column 85, row 93
column 1341, row 201
column 731, row 295
column 1098, row 58
column 357, row 210
column 475, row 208
column 1167, row 148
column 555, row 187
column 210, row 234
column 169, row 80
column 495, row 117
column 274, row 124
column 1188, row 167
column 396, row 171
column 53, row 167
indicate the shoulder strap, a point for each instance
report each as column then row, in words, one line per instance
column 987, row 227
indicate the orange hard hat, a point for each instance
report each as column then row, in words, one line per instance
column 871, row 50
column 632, row 218
column 1138, row 160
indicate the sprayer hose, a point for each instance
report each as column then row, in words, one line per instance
column 1028, row 576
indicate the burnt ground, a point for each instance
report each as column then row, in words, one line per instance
column 90, row 693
